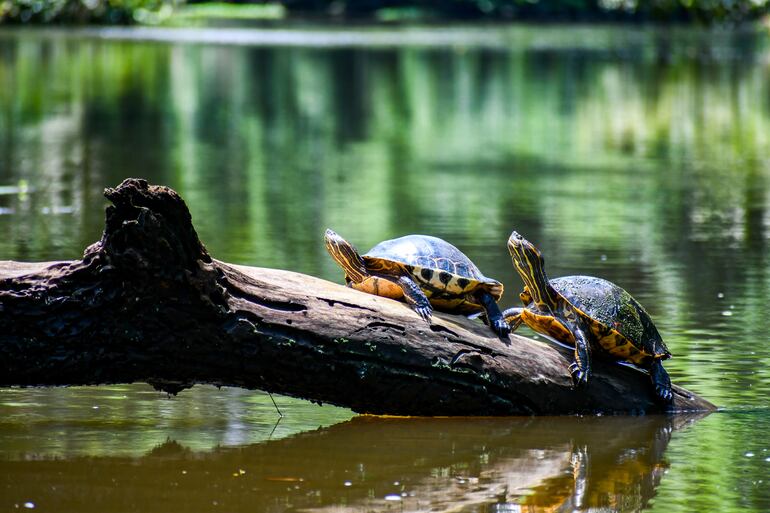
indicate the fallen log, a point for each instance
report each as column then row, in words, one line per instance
column 148, row 304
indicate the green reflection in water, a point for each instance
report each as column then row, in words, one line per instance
column 129, row 420
column 637, row 155
column 455, row 464
column 641, row 159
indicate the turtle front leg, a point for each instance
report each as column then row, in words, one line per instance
column 581, row 367
column 661, row 382
column 415, row 297
column 495, row 317
column 512, row 317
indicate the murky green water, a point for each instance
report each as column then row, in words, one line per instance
column 638, row 155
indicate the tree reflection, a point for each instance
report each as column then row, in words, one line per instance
column 637, row 155
column 372, row 463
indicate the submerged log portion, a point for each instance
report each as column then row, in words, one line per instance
column 148, row 304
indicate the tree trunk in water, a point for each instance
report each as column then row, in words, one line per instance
column 148, row 303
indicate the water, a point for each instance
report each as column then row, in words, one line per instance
column 635, row 154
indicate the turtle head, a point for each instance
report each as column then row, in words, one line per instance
column 529, row 263
column 346, row 256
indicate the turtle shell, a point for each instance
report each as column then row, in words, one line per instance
column 441, row 270
column 618, row 322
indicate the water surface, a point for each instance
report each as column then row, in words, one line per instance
column 639, row 155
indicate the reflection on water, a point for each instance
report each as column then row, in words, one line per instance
column 640, row 156
column 129, row 420
column 371, row 464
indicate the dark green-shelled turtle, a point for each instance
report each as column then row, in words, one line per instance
column 589, row 313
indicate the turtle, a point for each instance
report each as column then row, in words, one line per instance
column 589, row 313
column 426, row 272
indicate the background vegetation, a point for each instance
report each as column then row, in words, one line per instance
column 271, row 146
column 76, row 11
column 638, row 154
column 130, row 11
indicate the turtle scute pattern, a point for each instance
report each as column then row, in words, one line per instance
column 445, row 264
column 431, row 260
column 624, row 328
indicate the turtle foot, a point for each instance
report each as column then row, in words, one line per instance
column 661, row 382
column 425, row 312
column 501, row 328
column 579, row 377
column 664, row 393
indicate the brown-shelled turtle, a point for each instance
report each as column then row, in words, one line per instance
column 590, row 313
column 426, row 272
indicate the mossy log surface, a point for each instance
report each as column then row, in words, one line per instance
column 148, row 304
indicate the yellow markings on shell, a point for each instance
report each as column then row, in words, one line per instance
column 618, row 345
column 459, row 305
column 610, row 341
column 435, row 281
column 463, row 304
column 432, row 277
column 496, row 289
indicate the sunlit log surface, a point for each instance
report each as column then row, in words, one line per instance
column 148, row 303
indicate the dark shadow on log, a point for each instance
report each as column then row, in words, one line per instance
column 148, row 303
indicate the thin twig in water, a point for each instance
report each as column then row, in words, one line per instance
column 276, row 425
column 274, row 404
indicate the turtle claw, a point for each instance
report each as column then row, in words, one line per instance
column 579, row 377
column 664, row 393
column 501, row 328
column 661, row 382
column 425, row 312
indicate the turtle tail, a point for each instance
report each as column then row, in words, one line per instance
column 346, row 255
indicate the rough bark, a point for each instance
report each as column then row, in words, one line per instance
column 148, row 303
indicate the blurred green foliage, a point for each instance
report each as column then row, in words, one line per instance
column 644, row 146
column 637, row 10
column 77, row 11
column 144, row 11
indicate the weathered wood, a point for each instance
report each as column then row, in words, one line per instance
column 148, row 303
